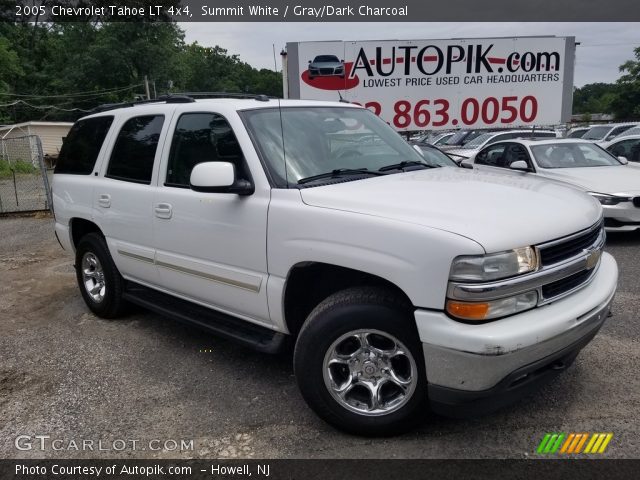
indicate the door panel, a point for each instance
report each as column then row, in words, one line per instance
column 123, row 198
column 211, row 247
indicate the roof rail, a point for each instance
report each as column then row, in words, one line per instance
column 164, row 98
column 239, row 95
column 189, row 97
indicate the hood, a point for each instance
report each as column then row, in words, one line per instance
column 623, row 179
column 496, row 210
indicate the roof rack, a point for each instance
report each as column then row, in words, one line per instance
column 250, row 96
column 189, row 97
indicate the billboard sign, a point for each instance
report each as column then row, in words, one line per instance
column 441, row 84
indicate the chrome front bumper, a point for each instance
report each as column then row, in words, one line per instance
column 475, row 358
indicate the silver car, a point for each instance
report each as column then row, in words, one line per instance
column 326, row 66
column 614, row 182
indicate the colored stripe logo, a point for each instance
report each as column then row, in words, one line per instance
column 572, row 443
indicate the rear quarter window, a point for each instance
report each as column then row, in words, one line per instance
column 134, row 152
column 82, row 145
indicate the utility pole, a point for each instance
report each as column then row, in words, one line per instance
column 146, row 87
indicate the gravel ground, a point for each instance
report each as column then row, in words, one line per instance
column 69, row 375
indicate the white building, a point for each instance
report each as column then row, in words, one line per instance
column 50, row 133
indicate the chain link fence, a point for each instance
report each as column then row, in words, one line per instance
column 24, row 177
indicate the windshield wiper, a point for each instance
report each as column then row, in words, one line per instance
column 407, row 163
column 337, row 173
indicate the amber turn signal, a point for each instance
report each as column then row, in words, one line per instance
column 468, row 311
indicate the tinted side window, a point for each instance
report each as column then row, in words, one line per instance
column 202, row 137
column 135, row 149
column 82, row 145
column 491, row 156
column 515, row 153
column 618, row 130
column 627, row 148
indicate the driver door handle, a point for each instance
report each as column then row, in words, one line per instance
column 163, row 210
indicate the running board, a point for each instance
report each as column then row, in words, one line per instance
column 243, row 332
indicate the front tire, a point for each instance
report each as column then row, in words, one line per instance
column 359, row 365
column 100, row 283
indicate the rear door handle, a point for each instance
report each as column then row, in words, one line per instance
column 104, row 200
column 163, row 210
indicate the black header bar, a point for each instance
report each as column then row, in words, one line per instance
column 322, row 11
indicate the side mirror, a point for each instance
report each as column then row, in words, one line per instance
column 218, row 177
column 342, row 61
column 309, row 61
column 623, row 160
column 519, row 165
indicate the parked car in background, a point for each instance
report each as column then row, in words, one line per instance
column 461, row 137
column 433, row 156
column 603, row 133
column 577, row 132
column 627, row 147
column 628, row 133
column 470, row 149
column 435, row 138
column 579, row 163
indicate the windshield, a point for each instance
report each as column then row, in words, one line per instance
column 577, row 133
column 631, row 131
column 325, row 59
column 433, row 156
column 478, row 141
column 457, row 137
column 597, row 133
column 572, row 155
column 317, row 140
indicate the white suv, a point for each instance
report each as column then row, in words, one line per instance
column 403, row 287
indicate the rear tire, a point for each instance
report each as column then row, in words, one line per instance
column 100, row 283
column 359, row 365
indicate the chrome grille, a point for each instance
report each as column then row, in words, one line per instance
column 563, row 249
column 565, row 285
column 565, row 265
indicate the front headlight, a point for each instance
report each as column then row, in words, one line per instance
column 605, row 199
column 494, row 266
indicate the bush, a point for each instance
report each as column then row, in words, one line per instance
column 19, row 166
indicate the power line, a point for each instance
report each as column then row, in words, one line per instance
column 79, row 94
column 44, row 107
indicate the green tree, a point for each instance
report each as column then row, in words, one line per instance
column 10, row 69
column 77, row 66
column 594, row 98
column 627, row 103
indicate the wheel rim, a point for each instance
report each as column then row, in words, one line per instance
column 93, row 277
column 370, row 372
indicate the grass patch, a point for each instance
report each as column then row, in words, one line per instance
column 19, row 167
